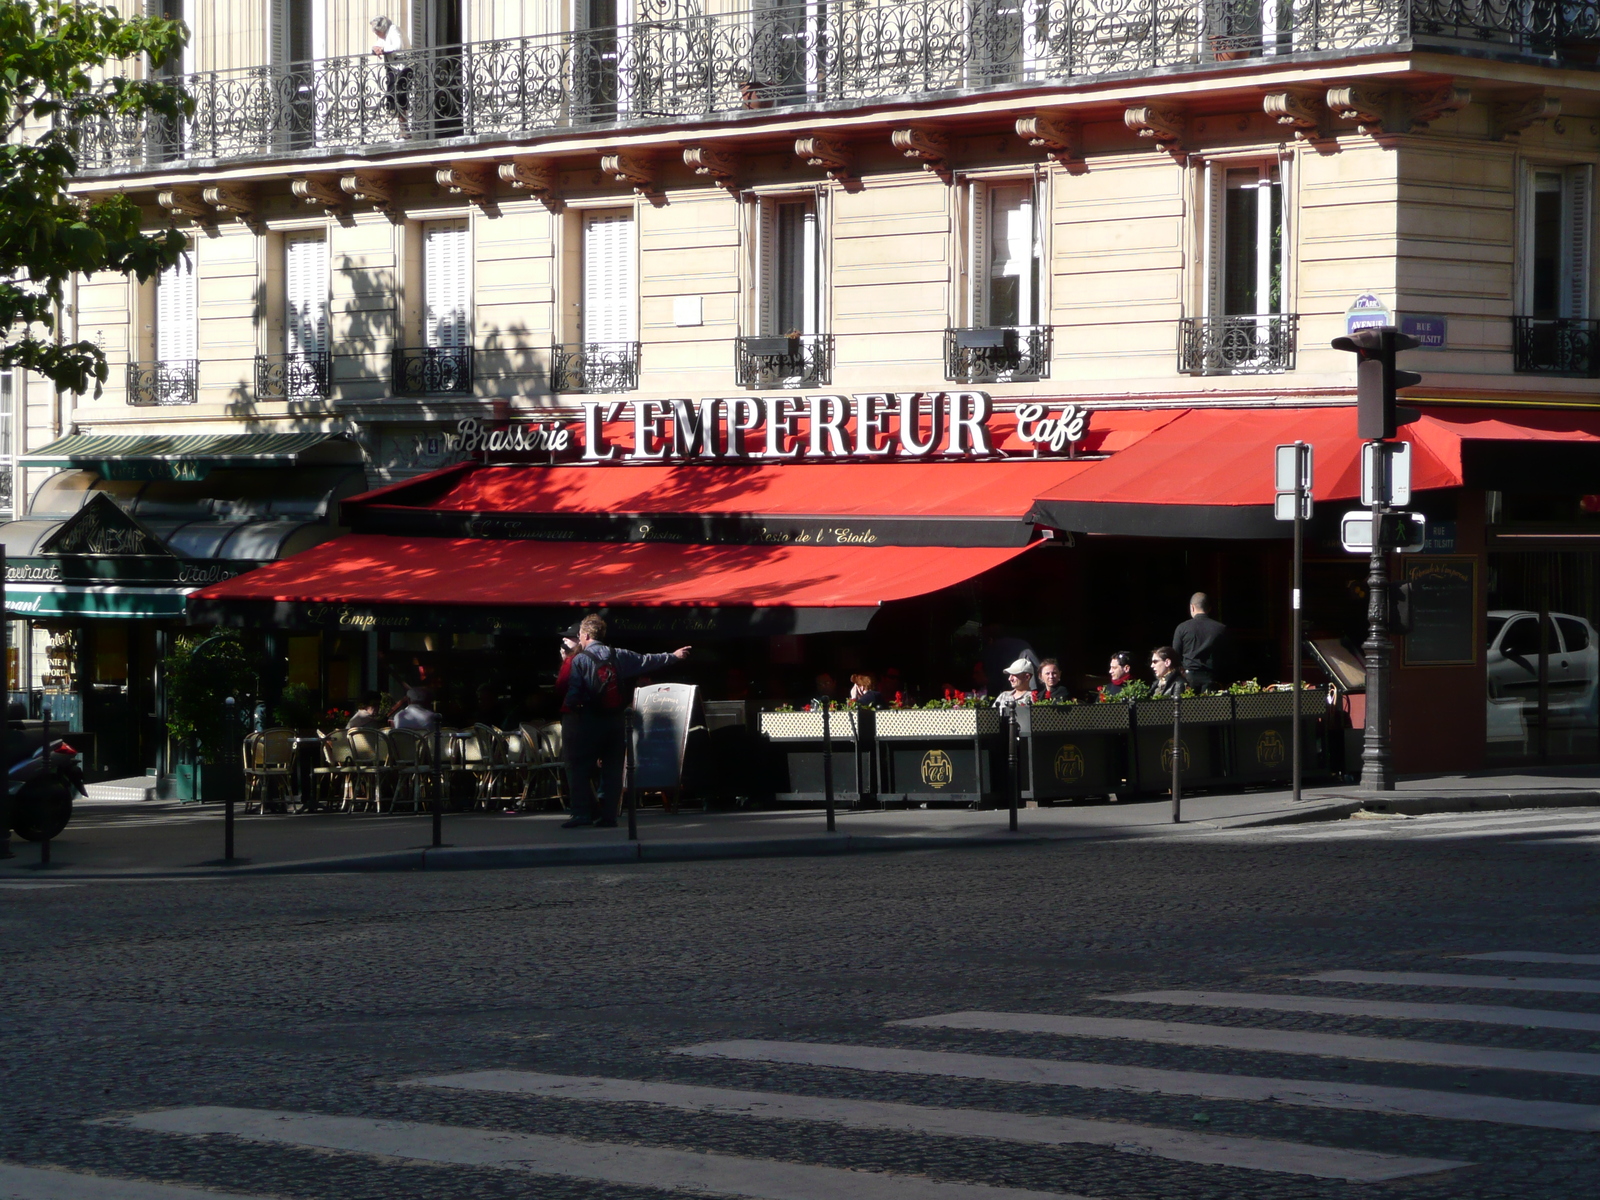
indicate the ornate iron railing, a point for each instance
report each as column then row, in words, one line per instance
column 433, row 371
column 677, row 62
column 1567, row 346
column 805, row 360
column 156, row 384
column 1247, row 345
column 594, row 367
column 1002, row 354
column 292, row 376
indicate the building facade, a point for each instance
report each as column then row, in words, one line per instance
column 519, row 210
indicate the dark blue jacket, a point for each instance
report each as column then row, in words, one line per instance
column 582, row 691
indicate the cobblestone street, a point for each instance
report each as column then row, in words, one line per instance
column 1296, row 1012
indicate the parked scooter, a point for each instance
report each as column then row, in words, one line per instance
column 41, row 781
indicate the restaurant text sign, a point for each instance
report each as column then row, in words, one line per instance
column 871, row 425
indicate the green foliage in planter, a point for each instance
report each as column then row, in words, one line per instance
column 296, row 708
column 197, row 685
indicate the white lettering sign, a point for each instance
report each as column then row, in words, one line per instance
column 1033, row 425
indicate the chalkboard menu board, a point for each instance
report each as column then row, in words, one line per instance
column 1444, row 611
column 661, row 733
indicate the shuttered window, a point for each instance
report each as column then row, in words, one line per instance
column 1244, row 240
column 790, row 267
column 305, row 300
column 176, row 314
column 1004, row 255
column 1557, row 242
column 447, row 285
column 608, row 277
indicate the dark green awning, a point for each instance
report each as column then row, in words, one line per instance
column 191, row 456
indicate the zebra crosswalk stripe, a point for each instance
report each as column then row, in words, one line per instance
column 1504, row 983
column 1403, row 1010
column 1360, row 1166
column 1459, row 1106
column 540, row 1154
column 1273, row 1041
column 34, row 1183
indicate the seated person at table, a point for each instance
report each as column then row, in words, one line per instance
column 1169, row 682
column 864, row 691
column 1050, row 685
column 1121, row 674
column 366, row 714
column 1019, row 675
column 417, row 713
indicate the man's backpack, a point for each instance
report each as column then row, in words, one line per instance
column 607, row 690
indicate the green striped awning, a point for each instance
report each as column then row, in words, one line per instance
column 191, row 455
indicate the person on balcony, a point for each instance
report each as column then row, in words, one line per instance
column 391, row 47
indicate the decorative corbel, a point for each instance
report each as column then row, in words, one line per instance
column 1423, row 108
column 231, row 200
column 637, row 172
column 1061, row 138
column 1304, row 112
column 722, row 165
column 1509, row 118
column 833, row 157
column 472, row 181
column 1372, row 109
column 323, row 193
column 187, row 202
column 1380, row 111
column 537, row 176
column 1164, row 126
column 928, row 146
column 371, row 187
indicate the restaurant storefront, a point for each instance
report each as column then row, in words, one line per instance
column 915, row 537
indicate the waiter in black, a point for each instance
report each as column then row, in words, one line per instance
column 1200, row 642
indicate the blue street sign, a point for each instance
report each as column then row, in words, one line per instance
column 1430, row 331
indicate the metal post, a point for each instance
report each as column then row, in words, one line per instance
column 1014, row 790
column 44, row 751
column 827, row 756
column 1376, row 775
column 633, row 786
column 227, row 812
column 1300, row 453
column 1177, row 757
column 438, row 789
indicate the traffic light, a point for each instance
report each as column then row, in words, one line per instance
column 1377, row 380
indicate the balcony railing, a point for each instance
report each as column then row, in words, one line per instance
column 156, row 384
column 433, row 371
column 804, row 360
column 1566, row 346
column 1247, row 345
column 594, row 367
column 292, row 376
column 1002, row 354
column 676, row 62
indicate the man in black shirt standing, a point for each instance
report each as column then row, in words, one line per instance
column 1200, row 642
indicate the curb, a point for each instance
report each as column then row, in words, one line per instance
column 1416, row 806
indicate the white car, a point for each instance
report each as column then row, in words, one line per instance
column 1572, row 672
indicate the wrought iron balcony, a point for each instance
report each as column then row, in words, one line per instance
column 676, row 61
column 433, row 371
column 156, row 384
column 1566, row 346
column 594, row 367
column 804, row 360
column 292, row 376
column 1260, row 344
column 998, row 354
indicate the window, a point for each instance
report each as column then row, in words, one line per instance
column 1011, row 39
column 305, row 300
column 787, row 279
column 608, row 283
column 10, row 394
column 787, row 44
column 599, row 55
column 1005, row 255
column 446, row 284
column 1245, row 236
column 1574, row 633
column 1556, row 243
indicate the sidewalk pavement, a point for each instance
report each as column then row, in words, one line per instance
column 118, row 838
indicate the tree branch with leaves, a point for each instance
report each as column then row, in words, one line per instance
column 60, row 76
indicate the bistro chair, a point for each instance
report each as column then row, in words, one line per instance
column 370, row 762
column 412, row 766
column 329, row 782
column 545, row 781
column 513, row 757
column 269, row 758
column 477, row 751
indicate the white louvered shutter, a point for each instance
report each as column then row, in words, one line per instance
column 1010, row 264
column 1579, row 213
column 305, row 302
column 176, row 316
column 278, row 32
column 418, row 24
column 767, row 270
column 608, row 285
column 446, row 267
column 1216, row 186
column 978, row 255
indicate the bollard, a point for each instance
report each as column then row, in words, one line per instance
column 827, row 757
column 227, row 810
column 1014, row 782
column 438, row 790
column 44, row 751
column 1177, row 760
column 44, row 853
column 633, row 787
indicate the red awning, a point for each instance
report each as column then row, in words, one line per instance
column 368, row 581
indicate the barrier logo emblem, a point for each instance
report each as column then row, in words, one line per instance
column 1270, row 750
column 1069, row 765
column 1166, row 755
column 937, row 769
